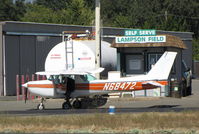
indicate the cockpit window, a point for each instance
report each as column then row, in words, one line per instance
column 87, row 77
column 50, row 78
column 58, row 79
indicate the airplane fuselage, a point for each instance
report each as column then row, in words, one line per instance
column 97, row 87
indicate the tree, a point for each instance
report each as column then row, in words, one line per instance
column 76, row 12
column 182, row 14
column 38, row 13
column 113, row 11
column 20, row 9
column 172, row 15
column 11, row 11
column 195, row 44
column 54, row 4
column 90, row 4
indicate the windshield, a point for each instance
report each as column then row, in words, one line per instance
column 90, row 77
column 87, row 77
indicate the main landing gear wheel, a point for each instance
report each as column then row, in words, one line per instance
column 40, row 106
column 66, row 105
column 77, row 104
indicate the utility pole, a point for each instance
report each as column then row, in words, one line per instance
column 97, row 36
column 166, row 14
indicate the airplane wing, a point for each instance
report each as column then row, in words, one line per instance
column 94, row 71
column 72, row 72
column 68, row 72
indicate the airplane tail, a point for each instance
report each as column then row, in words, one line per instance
column 162, row 68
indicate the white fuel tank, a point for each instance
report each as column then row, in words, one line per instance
column 83, row 55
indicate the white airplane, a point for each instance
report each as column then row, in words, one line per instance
column 77, row 84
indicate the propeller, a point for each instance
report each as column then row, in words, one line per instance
column 26, row 94
column 25, row 86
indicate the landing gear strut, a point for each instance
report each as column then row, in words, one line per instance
column 70, row 86
column 41, row 105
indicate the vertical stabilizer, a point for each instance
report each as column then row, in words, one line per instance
column 162, row 68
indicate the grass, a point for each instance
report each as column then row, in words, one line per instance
column 146, row 123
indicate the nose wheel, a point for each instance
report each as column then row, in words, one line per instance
column 41, row 106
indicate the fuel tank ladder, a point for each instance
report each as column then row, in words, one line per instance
column 69, row 50
column 67, row 37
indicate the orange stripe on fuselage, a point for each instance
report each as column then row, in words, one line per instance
column 61, row 86
column 117, row 86
column 104, row 86
column 41, row 85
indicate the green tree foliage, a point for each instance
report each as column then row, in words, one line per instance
column 20, row 9
column 195, row 44
column 73, row 12
column 173, row 15
column 76, row 13
column 53, row 4
column 38, row 13
column 11, row 11
column 90, row 4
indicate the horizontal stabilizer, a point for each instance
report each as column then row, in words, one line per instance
column 152, row 83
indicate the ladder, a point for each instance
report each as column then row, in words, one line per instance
column 69, row 51
column 69, row 48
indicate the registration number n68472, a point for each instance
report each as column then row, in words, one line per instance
column 120, row 86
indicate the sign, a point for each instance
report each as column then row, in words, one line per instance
column 138, row 32
column 140, row 39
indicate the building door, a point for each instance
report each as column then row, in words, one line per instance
column 134, row 64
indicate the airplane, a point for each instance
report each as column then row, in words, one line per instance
column 75, row 85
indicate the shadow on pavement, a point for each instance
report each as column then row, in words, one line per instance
column 164, row 106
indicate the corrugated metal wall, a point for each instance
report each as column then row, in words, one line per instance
column 12, row 63
column 25, row 55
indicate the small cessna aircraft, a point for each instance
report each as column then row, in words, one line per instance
column 77, row 84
